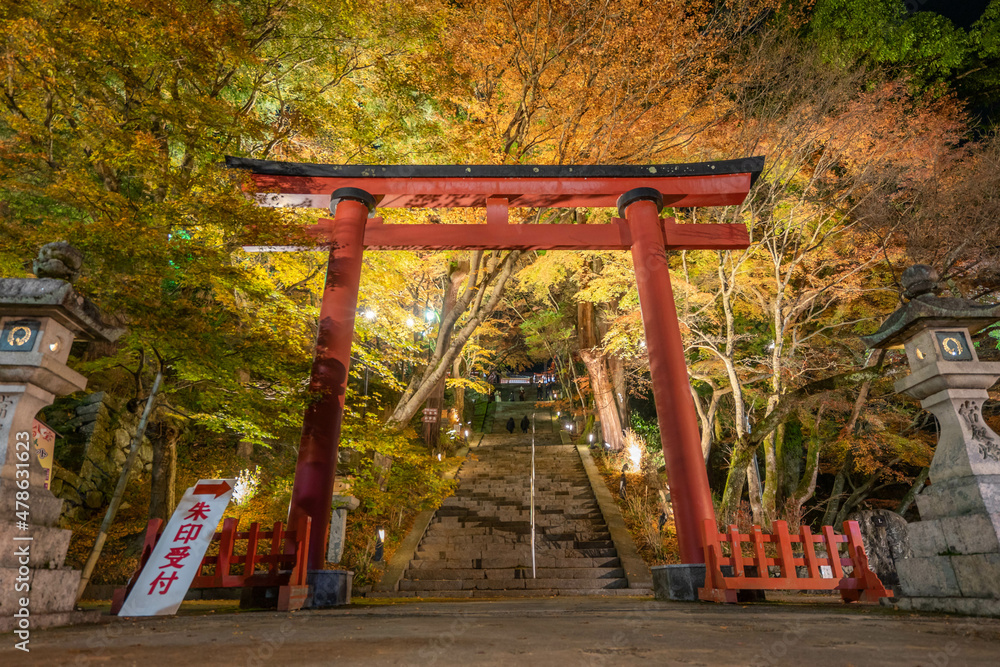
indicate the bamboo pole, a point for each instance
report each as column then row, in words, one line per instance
column 116, row 499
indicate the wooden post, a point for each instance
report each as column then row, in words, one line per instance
column 227, row 541
column 779, row 531
column 689, row 490
column 317, row 460
column 833, row 552
column 809, row 553
column 250, row 562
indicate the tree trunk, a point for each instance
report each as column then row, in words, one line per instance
column 833, row 505
column 790, row 458
column 617, row 369
column 604, row 399
column 163, row 438
column 417, row 392
column 807, row 484
column 596, row 363
column 244, row 450
column 432, row 430
column 735, row 481
column 742, row 449
column 576, row 386
column 456, row 373
column 916, row 488
column 858, row 496
column 772, row 481
column 755, row 493
column 707, row 419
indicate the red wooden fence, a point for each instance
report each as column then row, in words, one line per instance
column 860, row 584
column 282, row 565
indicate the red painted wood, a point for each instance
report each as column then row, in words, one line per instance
column 495, row 236
column 317, row 458
column 646, row 235
column 732, row 236
column 253, row 539
column 862, row 584
column 809, row 553
column 227, row 541
column 497, row 211
column 710, row 190
column 736, row 549
column 833, row 552
column 872, row 588
column 785, row 553
column 274, row 558
column 675, row 410
column 760, row 560
column 301, row 552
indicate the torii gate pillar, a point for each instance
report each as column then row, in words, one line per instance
column 679, row 435
column 316, row 466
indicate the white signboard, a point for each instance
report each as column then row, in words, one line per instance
column 177, row 556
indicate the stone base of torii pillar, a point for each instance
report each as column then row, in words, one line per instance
column 39, row 319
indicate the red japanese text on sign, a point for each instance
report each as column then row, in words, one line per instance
column 177, row 557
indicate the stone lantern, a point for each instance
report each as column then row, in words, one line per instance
column 955, row 565
column 39, row 319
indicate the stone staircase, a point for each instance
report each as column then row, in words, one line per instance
column 479, row 542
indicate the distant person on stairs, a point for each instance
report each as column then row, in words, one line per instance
column 510, row 425
column 525, row 423
column 520, row 394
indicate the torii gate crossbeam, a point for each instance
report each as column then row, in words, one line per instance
column 639, row 192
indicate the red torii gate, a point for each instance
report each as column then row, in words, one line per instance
column 638, row 192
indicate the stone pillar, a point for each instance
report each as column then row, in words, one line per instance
column 338, row 526
column 39, row 318
column 955, row 566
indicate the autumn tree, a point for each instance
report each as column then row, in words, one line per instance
column 115, row 119
column 835, row 144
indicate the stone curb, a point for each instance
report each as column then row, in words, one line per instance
column 636, row 570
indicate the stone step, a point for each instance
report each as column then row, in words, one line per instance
column 480, row 550
column 553, row 530
column 542, row 506
column 462, row 516
column 498, row 545
column 439, row 539
column 513, row 562
column 507, row 584
column 518, row 573
column 479, row 520
column 521, row 550
column 525, row 593
column 479, row 541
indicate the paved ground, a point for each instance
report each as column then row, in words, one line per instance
column 549, row 632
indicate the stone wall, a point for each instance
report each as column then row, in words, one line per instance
column 106, row 427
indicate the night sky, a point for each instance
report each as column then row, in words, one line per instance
column 962, row 13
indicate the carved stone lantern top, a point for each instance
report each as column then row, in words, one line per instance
column 50, row 297
column 40, row 318
column 925, row 310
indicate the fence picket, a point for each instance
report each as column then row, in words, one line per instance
column 861, row 584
